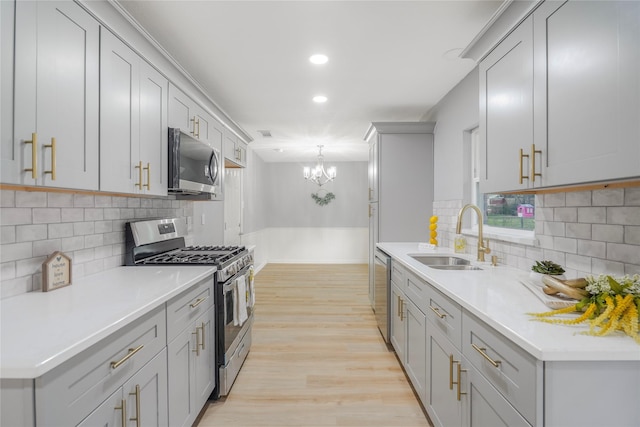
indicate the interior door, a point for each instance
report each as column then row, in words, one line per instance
column 232, row 206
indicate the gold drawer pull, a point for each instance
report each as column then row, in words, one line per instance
column 451, row 362
column 137, row 395
column 53, row 158
column 401, row 309
column 522, row 155
column 34, row 155
column 123, row 408
column 197, row 302
column 533, row 162
column 196, row 350
column 460, row 371
column 148, row 169
column 201, row 328
column 139, row 183
column 437, row 312
column 129, row 355
column 482, row 350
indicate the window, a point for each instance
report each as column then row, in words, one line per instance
column 502, row 213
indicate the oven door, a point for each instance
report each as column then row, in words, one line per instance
column 235, row 300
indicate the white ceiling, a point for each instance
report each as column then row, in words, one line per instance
column 388, row 61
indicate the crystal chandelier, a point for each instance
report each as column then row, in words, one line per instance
column 318, row 174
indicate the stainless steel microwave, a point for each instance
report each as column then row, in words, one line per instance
column 195, row 167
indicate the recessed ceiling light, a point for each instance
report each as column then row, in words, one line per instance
column 319, row 59
column 319, row 99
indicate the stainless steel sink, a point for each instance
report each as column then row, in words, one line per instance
column 455, row 267
column 443, row 261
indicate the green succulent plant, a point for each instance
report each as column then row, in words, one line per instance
column 547, row 267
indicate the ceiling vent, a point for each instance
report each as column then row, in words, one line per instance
column 265, row 133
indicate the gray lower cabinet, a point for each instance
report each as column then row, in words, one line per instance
column 443, row 359
column 415, row 349
column 398, row 328
column 134, row 355
column 191, row 354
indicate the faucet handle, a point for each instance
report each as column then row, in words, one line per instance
column 485, row 247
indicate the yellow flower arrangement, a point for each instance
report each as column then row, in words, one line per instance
column 612, row 305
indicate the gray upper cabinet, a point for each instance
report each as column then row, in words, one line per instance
column 506, row 113
column 55, row 135
column 133, row 121
column 235, row 150
column 560, row 98
column 587, row 90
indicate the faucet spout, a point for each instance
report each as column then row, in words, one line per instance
column 482, row 247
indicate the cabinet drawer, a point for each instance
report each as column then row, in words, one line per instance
column 186, row 307
column 416, row 290
column 445, row 315
column 507, row 367
column 397, row 274
column 65, row 395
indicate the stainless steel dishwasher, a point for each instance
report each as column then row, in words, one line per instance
column 382, row 280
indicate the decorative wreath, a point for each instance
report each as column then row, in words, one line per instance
column 323, row 200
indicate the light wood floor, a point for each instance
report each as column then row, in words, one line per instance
column 317, row 357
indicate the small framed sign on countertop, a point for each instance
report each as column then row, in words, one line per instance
column 56, row 272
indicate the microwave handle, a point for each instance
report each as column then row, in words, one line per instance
column 213, row 167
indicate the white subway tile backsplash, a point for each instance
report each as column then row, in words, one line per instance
column 624, row 253
column 544, row 214
column 102, row 252
column 93, row 214
column 93, row 267
column 103, row 202
column 64, row 229
column 579, row 198
column 83, row 201
column 103, row 226
column 593, row 215
column 608, row 233
column 554, row 229
column 112, row 213
column 623, row 215
column 565, row 214
column 120, row 202
column 554, row 200
column 15, row 216
column 632, row 196
column 7, row 270
column 133, row 203
column 29, row 233
column 84, row 255
column 114, row 237
column 631, row 269
column 8, row 234
column 24, row 267
column 592, row 248
column 70, row 244
column 72, row 214
column 563, row 244
column 93, row 240
column 127, row 213
column 46, row 247
column 29, row 199
column 603, row 266
column 578, row 262
column 614, row 197
column 632, row 235
column 83, row 228
column 7, row 199
column 17, row 286
column 578, row 230
column 148, row 203
column 46, row 215
column 16, row 251
column 59, row 200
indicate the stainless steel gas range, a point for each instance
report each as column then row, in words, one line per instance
column 162, row 241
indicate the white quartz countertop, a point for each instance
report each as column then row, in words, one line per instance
column 496, row 296
column 40, row 330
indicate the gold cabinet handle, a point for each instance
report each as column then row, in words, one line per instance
column 53, row 158
column 123, row 408
column 437, row 312
column 198, row 123
column 128, row 356
column 522, row 155
column 193, row 132
column 197, row 334
column 201, row 327
column 148, row 169
column 137, row 395
column 139, row 167
column 34, row 155
column 460, row 371
column 451, row 362
column 401, row 309
column 533, row 162
column 369, row 193
column 197, row 302
column 482, row 350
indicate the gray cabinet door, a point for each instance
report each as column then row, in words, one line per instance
column 111, row 413
column 59, row 61
column 146, row 394
column 506, row 112
column 205, row 361
column 398, row 322
column 587, row 89
column 441, row 381
column 181, row 362
column 416, row 349
column 483, row 406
